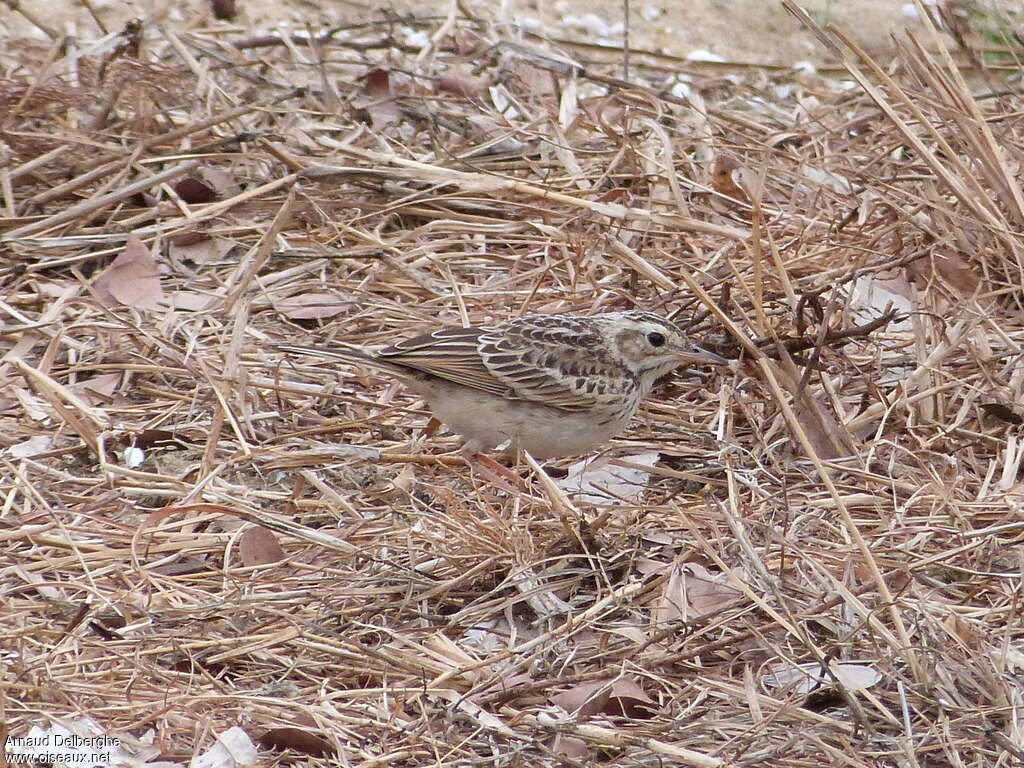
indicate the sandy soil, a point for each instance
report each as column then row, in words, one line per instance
column 754, row 31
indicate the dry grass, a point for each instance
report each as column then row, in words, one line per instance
column 848, row 492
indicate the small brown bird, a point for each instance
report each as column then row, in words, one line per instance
column 553, row 385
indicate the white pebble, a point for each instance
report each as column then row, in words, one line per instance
column 701, row 55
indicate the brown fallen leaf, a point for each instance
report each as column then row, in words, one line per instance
column 1002, row 412
column 539, row 81
column 377, row 99
column 622, row 697
column 570, row 747
column 731, row 178
column 804, row 678
column 691, row 591
column 259, row 546
column 224, row 10
column 948, row 267
column 99, row 389
column 132, row 280
column 33, row 446
column 504, row 689
column 461, row 82
column 190, row 301
column 198, row 248
column 193, row 191
column 224, row 183
column 298, row 740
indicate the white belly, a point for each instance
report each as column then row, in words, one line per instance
column 486, row 421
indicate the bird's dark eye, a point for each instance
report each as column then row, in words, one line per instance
column 656, row 339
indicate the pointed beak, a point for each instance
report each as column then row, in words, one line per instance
column 692, row 353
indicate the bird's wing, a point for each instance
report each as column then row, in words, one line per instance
column 448, row 353
column 560, row 367
column 502, row 361
column 557, row 363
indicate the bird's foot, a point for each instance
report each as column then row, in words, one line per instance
column 496, row 472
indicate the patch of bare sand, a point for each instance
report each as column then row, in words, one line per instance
column 751, row 31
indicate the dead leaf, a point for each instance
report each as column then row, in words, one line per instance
column 298, row 740
column 874, row 294
column 199, row 248
column 132, row 280
column 629, row 700
column 99, row 389
column 31, row 447
column 947, row 266
column 1002, row 412
column 805, row 678
column 598, row 481
column 960, row 629
column 303, row 139
column 233, row 749
column 312, row 306
column 834, row 181
column 192, row 191
column 190, row 301
column 691, row 591
column 377, row 99
column 405, row 481
column 259, row 546
column 505, row 686
column 707, row 591
column 570, row 747
column 460, row 81
column 585, row 699
column 622, row 697
column 158, row 438
column 224, row 183
column 728, row 177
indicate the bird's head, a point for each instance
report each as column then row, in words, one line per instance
column 651, row 346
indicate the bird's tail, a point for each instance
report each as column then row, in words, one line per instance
column 343, row 355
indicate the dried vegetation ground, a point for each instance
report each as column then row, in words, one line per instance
column 845, row 497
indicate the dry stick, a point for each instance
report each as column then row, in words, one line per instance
column 667, row 161
column 757, row 252
column 95, row 16
column 635, row 261
column 87, row 207
column 215, row 209
column 1010, row 183
column 837, row 442
column 15, row 5
column 831, row 336
column 794, row 424
column 620, row 738
column 483, row 182
column 7, row 189
column 202, row 125
column 37, row 162
column 79, row 181
column 972, row 194
column 222, row 409
column 237, row 376
column 41, row 77
column 213, row 436
column 625, row 39
column 253, row 261
column 77, row 417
